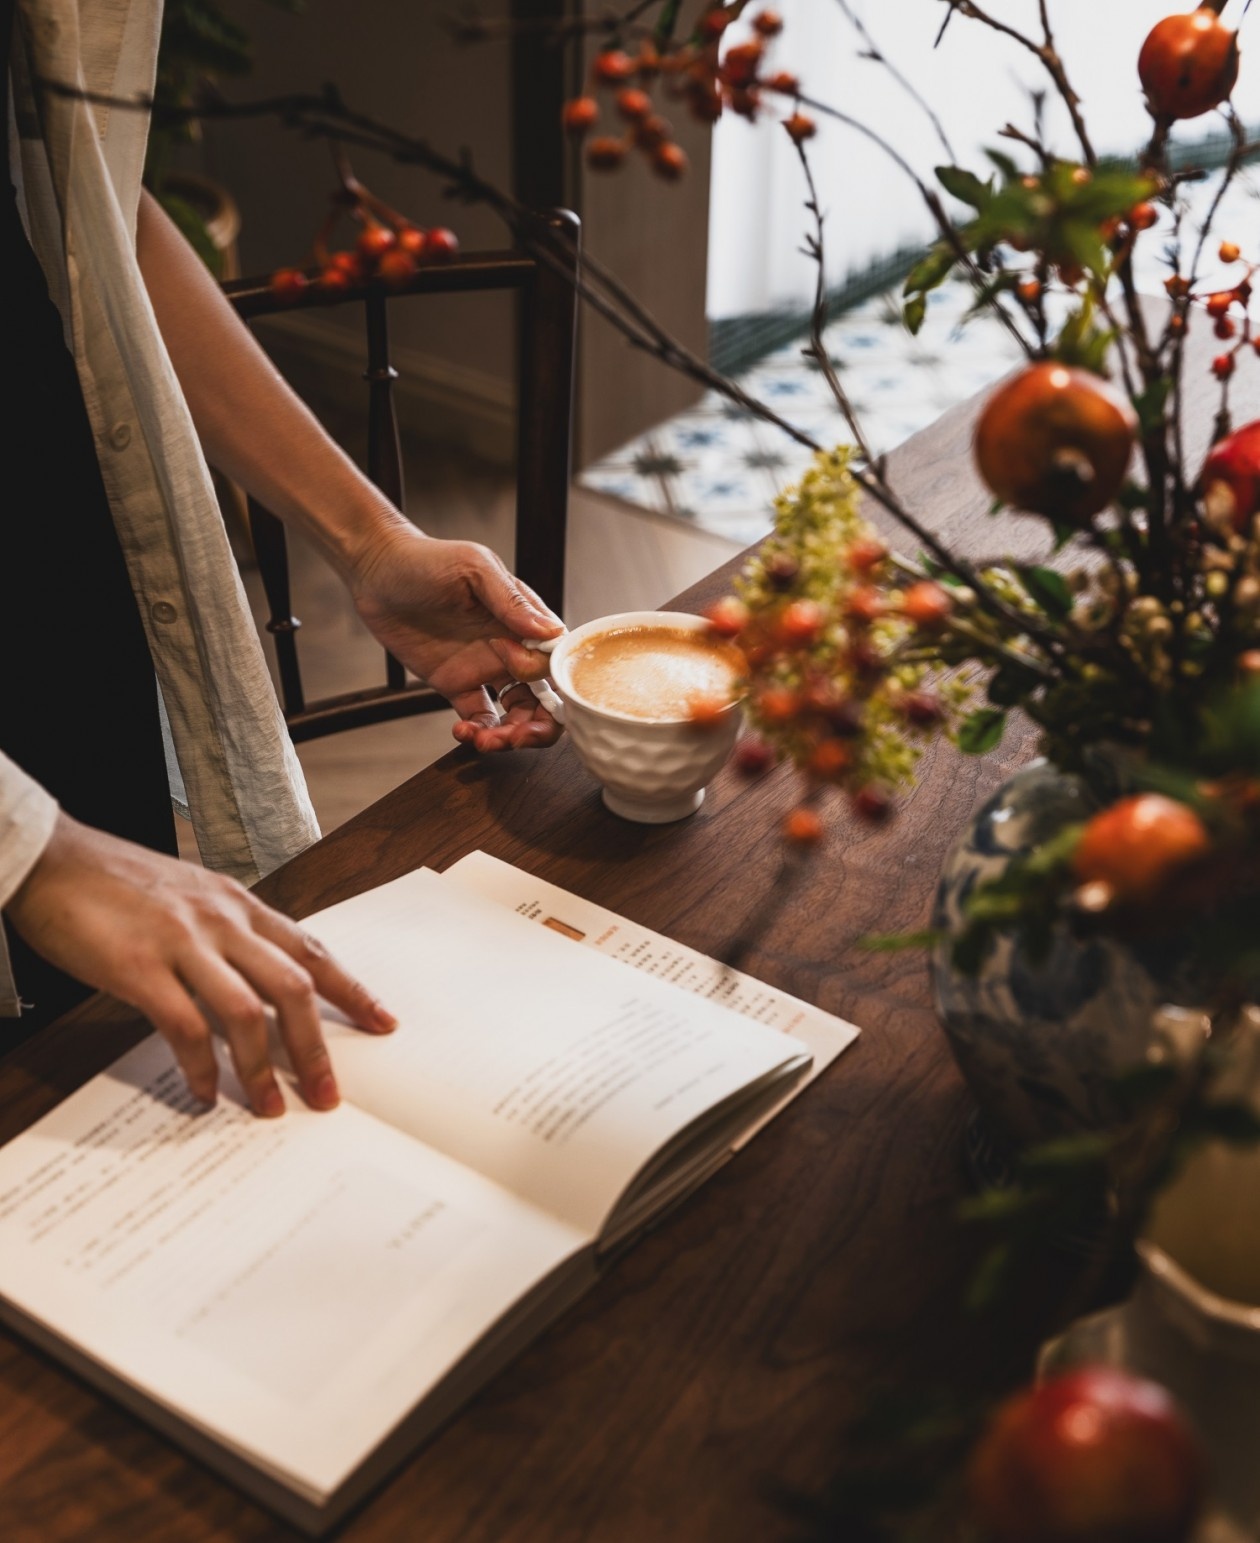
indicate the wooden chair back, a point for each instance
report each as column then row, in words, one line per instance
column 546, row 328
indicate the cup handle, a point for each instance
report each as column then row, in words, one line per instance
column 547, row 698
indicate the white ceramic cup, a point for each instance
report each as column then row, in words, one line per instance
column 653, row 770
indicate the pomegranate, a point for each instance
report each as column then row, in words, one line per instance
column 1134, row 845
column 1188, row 64
column 1094, row 1455
column 1231, row 478
column 1056, row 441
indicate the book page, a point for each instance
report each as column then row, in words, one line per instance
column 291, row 1287
column 546, row 1067
column 592, row 925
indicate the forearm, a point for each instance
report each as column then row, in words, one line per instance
column 27, row 817
column 251, row 424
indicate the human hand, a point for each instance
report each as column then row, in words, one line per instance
column 453, row 614
column 183, row 945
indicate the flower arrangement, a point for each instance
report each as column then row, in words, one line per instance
column 1131, row 639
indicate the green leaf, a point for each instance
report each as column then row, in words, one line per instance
column 1063, row 533
column 913, row 312
column 981, row 731
column 931, row 270
column 1087, row 1151
column 964, row 185
column 1151, row 403
column 1049, row 589
column 897, row 942
column 1004, row 164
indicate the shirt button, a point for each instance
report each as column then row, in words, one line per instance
column 120, row 436
column 164, row 611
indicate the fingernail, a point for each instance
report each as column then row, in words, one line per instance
column 270, row 1102
column 382, row 1018
column 324, row 1095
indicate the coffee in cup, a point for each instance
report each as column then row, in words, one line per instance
column 651, row 704
column 662, row 673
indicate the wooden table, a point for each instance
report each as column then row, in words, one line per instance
column 721, row 1360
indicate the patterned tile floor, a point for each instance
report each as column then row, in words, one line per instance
column 718, row 467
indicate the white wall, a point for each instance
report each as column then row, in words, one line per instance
column 975, row 80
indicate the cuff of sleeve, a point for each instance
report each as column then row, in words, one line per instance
column 27, row 817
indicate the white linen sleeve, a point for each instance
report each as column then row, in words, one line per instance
column 27, row 817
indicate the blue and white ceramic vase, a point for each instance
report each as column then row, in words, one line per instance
column 1041, row 1044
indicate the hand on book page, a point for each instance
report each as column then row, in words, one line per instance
column 188, row 947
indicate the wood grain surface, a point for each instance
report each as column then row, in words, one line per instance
column 717, row 1365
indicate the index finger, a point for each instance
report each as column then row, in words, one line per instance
column 335, row 984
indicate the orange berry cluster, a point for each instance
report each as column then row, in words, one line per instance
column 817, row 676
column 1218, row 304
column 697, row 74
column 389, row 249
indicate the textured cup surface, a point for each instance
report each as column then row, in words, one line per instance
column 651, row 770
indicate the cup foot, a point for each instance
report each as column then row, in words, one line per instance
column 653, row 811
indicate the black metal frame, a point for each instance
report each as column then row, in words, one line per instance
column 546, row 326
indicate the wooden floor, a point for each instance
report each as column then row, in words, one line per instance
column 619, row 558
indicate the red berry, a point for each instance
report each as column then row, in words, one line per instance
column 1088, row 1455
column 872, row 803
column 605, row 153
column 1217, row 304
column 801, row 623
column 413, row 241
column 753, row 756
column 669, row 161
column 1223, row 366
column 800, row 127
column 778, row 704
column 768, row 23
column 744, row 100
column 783, row 82
column 652, row 132
column 648, row 64
column 728, row 616
column 1229, row 252
column 579, row 115
column 921, row 709
column 1142, row 216
column 1188, row 64
column 803, row 828
column 441, row 244
column 866, row 553
column 864, row 605
column 830, row 760
column 714, row 22
column 740, row 66
column 927, row 604
column 374, row 241
column 782, row 570
column 396, row 268
column 1223, row 327
column 336, row 279
column 707, row 712
column 612, row 67
column 633, row 104
column 288, row 284
column 704, row 101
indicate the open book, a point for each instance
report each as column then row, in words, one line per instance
column 301, row 1301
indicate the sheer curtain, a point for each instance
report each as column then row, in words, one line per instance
column 975, row 80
